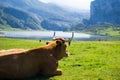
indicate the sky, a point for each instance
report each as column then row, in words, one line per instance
column 75, row 4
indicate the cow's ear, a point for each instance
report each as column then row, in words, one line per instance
column 58, row 42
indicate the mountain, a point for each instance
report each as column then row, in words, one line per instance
column 16, row 18
column 105, row 11
column 44, row 15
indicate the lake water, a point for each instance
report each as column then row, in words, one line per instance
column 47, row 35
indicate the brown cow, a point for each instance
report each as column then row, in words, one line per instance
column 38, row 61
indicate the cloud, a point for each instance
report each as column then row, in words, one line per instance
column 78, row 4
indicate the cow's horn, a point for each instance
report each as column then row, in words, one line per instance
column 54, row 36
column 70, row 39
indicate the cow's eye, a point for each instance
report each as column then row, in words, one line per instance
column 63, row 42
column 65, row 46
column 47, row 43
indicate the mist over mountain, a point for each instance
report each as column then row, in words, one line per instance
column 36, row 15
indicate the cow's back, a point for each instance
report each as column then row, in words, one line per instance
column 18, row 65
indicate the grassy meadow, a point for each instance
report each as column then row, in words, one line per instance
column 88, row 60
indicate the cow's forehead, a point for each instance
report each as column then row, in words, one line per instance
column 54, row 43
column 61, row 39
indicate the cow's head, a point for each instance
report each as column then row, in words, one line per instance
column 59, row 49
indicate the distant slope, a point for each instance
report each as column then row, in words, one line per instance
column 51, row 16
column 16, row 18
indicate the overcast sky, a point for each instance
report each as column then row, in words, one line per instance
column 78, row 4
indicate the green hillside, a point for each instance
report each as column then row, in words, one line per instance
column 14, row 18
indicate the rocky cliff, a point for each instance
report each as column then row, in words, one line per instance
column 105, row 11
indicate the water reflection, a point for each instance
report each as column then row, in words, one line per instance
column 46, row 35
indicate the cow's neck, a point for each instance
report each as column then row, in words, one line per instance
column 51, row 50
column 56, row 53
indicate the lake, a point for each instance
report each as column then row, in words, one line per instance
column 43, row 35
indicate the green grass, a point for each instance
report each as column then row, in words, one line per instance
column 91, row 60
column 6, row 43
column 103, row 30
column 110, row 32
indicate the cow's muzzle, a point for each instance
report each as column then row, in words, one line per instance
column 67, row 54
